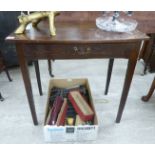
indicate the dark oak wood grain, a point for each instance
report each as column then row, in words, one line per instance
column 36, row 64
column 78, row 50
column 150, row 92
column 27, row 81
column 77, row 41
column 3, row 67
column 109, row 71
column 75, row 32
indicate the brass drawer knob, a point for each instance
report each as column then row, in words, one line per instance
column 75, row 49
column 88, row 49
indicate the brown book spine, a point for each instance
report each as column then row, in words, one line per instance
column 55, row 110
column 62, row 114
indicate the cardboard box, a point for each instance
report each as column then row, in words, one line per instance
column 70, row 133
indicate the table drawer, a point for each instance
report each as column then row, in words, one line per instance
column 82, row 51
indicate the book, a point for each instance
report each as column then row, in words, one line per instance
column 71, row 111
column 55, row 110
column 81, row 106
column 48, row 116
column 62, row 114
column 79, row 121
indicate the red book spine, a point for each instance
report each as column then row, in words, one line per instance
column 78, row 110
column 55, row 110
column 63, row 117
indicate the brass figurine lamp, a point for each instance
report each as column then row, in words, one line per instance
column 35, row 18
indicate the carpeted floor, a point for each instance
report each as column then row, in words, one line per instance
column 137, row 125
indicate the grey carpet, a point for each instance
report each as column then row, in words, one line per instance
column 137, row 125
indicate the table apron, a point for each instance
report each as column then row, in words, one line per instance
column 79, row 51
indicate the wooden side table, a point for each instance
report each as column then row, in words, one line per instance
column 150, row 92
column 1, row 97
column 3, row 67
column 76, row 41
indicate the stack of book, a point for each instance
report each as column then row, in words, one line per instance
column 70, row 106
